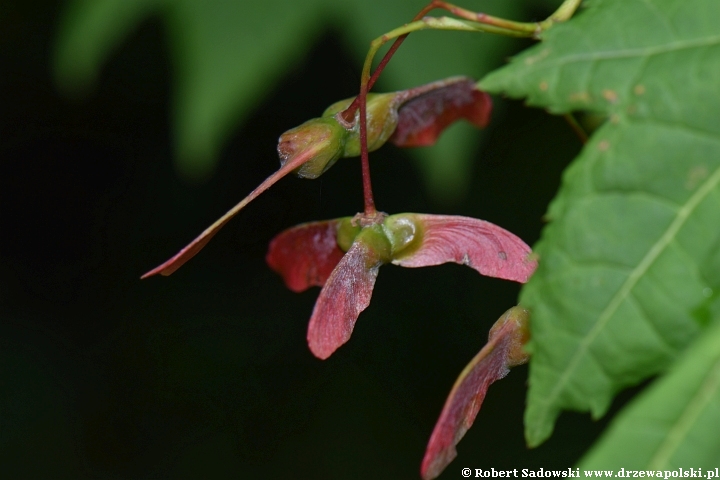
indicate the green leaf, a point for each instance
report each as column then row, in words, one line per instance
column 624, row 261
column 228, row 54
column 674, row 423
column 89, row 32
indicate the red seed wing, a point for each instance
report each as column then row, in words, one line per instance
column 305, row 255
column 489, row 249
column 192, row 249
column 468, row 393
column 432, row 108
column 346, row 293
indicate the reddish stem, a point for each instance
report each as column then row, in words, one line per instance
column 361, row 102
column 349, row 112
column 577, row 128
column 364, row 156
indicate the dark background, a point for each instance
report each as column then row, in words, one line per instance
column 206, row 374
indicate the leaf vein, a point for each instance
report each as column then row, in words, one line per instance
column 652, row 196
column 632, row 280
column 679, row 431
column 697, row 131
column 643, row 312
column 632, row 52
column 663, row 18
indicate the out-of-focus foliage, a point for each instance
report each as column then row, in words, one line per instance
column 228, row 55
column 628, row 274
column 207, row 374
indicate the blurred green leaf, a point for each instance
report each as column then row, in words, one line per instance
column 228, row 55
column 634, row 227
column 89, row 32
column 674, row 423
column 226, row 52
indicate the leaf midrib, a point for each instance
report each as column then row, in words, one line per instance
column 637, row 273
column 633, row 52
column 688, row 418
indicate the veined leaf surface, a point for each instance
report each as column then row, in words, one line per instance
column 672, row 425
column 634, row 228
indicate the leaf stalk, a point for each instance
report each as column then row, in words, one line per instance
column 469, row 21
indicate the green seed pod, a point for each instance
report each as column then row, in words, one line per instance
column 322, row 139
column 403, row 232
column 407, row 118
column 382, row 119
column 347, row 230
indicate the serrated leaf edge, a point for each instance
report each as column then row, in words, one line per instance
column 637, row 273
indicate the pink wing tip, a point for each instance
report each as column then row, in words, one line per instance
column 166, row 269
column 483, row 246
column 346, row 293
column 531, row 264
column 329, row 330
column 323, row 350
column 180, row 258
column 169, row 267
column 505, row 348
column 199, row 243
column 152, row 272
column 433, row 465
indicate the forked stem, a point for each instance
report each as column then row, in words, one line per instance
column 443, row 23
column 563, row 13
column 470, row 21
column 364, row 156
column 349, row 112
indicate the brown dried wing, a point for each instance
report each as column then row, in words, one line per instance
column 428, row 110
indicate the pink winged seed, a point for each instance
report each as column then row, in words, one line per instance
column 503, row 350
column 346, row 293
column 305, row 255
column 481, row 245
column 423, row 117
column 192, row 249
